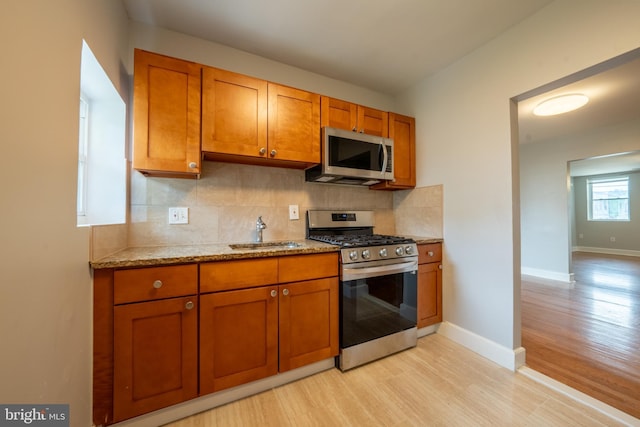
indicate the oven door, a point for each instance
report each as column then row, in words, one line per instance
column 377, row 299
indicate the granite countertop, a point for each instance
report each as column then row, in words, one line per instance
column 165, row 255
column 181, row 254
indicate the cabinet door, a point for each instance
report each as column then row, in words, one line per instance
column 338, row 114
column 234, row 113
column 402, row 129
column 166, row 115
column 294, row 125
column 429, row 294
column 155, row 355
column 238, row 337
column 308, row 322
column 373, row 122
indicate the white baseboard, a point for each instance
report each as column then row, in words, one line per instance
column 428, row 330
column 608, row 251
column 578, row 396
column 555, row 276
column 509, row 358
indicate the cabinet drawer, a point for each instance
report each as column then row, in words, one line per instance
column 429, row 253
column 154, row 283
column 296, row 268
column 245, row 273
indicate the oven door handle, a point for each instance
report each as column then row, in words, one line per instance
column 363, row 273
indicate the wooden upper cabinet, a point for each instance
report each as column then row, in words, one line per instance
column 373, row 122
column 348, row 116
column 166, row 115
column 402, row 129
column 294, row 125
column 339, row 114
column 234, row 113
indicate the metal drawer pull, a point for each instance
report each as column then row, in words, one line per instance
column 193, row 165
column 440, row 266
column 430, row 253
column 157, row 284
column 189, row 305
column 262, row 150
column 274, row 293
column 273, row 153
column 285, row 292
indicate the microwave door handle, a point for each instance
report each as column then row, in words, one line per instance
column 385, row 155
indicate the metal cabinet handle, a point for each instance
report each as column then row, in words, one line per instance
column 274, row 293
column 440, row 266
column 157, row 284
column 189, row 305
column 285, row 292
column 193, row 165
column 263, row 150
column 430, row 253
column 273, row 153
column 355, row 129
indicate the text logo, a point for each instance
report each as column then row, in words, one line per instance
column 34, row 415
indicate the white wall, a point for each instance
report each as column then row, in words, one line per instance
column 45, row 285
column 464, row 142
column 545, row 197
column 204, row 52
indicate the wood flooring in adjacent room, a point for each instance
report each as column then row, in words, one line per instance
column 588, row 336
column 438, row 383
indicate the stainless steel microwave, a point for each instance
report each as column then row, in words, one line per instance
column 353, row 158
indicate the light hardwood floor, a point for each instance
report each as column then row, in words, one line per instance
column 438, row 383
column 588, row 337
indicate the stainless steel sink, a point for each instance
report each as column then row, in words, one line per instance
column 265, row 245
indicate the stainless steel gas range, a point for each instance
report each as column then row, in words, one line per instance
column 378, row 285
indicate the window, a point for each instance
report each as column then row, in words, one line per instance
column 102, row 173
column 608, row 198
column 83, row 141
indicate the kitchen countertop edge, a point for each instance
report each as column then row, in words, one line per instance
column 150, row 256
column 185, row 254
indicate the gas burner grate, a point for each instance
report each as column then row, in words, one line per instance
column 360, row 240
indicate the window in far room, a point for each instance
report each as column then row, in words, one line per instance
column 102, row 172
column 608, row 198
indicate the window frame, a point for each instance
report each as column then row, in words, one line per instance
column 591, row 181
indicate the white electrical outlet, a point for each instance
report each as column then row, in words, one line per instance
column 178, row 215
column 293, row 212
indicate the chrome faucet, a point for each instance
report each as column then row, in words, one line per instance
column 260, row 225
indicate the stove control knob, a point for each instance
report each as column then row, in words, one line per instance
column 408, row 250
column 366, row 254
column 353, row 255
column 383, row 252
column 399, row 251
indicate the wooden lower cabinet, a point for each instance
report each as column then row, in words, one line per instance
column 167, row 334
column 308, row 322
column 155, row 355
column 429, row 284
column 238, row 337
column 250, row 334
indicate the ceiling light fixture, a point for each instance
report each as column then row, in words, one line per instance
column 560, row 104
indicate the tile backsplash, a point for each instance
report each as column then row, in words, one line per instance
column 228, row 198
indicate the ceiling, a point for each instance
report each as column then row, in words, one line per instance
column 388, row 46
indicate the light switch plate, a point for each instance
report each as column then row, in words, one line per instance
column 178, row 215
column 293, row 212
